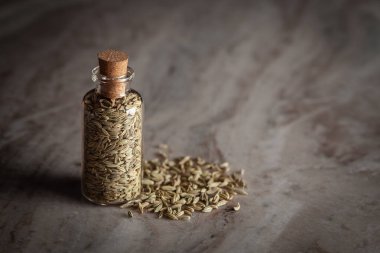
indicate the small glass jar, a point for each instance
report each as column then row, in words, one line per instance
column 112, row 140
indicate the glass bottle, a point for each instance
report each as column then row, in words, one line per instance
column 112, row 133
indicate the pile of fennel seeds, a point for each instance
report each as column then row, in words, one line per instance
column 176, row 188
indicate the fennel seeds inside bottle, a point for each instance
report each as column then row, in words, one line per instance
column 112, row 133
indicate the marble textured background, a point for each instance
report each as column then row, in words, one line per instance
column 287, row 90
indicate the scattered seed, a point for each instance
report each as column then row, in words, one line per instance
column 185, row 217
column 158, row 208
column 176, row 206
column 207, row 209
column 221, row 203
column 188, row 208
column 237, row 207
column 240, row 191
column 171, row 216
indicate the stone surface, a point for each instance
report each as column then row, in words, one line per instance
column 287, row 90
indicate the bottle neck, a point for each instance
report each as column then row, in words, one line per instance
column 112, row 87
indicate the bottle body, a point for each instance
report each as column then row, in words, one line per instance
column 112, row 147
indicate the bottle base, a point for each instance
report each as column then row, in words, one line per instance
column 101, row 203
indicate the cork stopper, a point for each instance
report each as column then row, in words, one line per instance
column 113, row 63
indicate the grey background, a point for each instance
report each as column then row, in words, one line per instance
column 287, row 90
